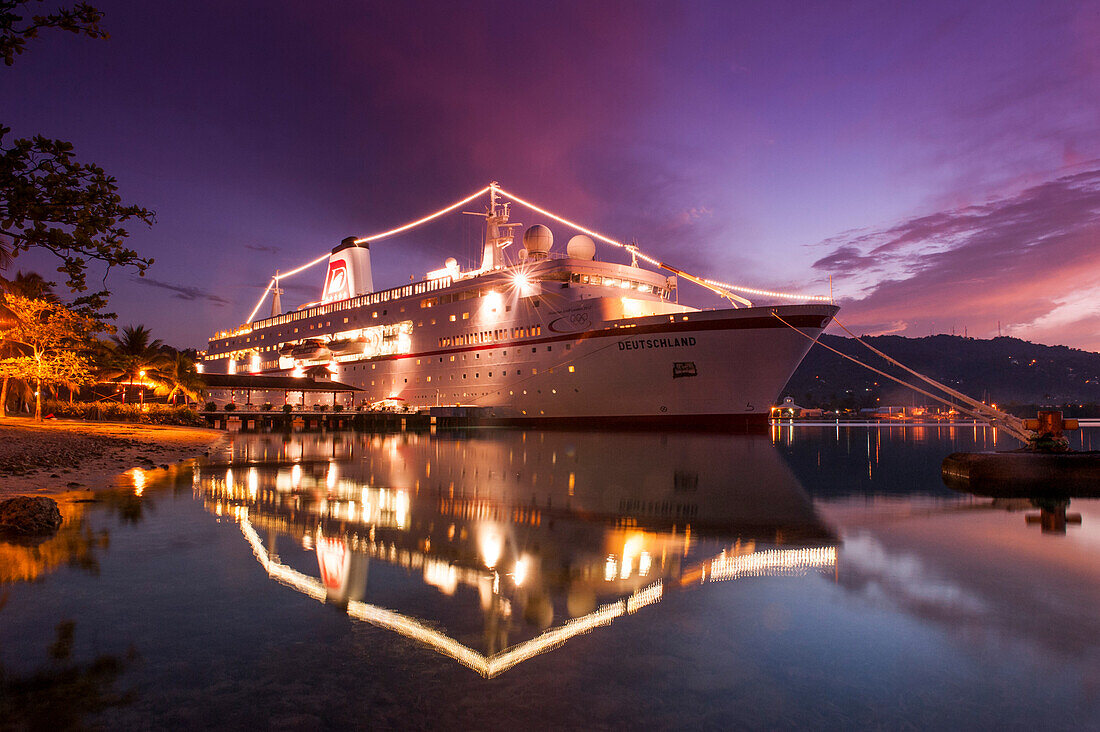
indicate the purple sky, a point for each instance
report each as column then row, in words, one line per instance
column 940, row 160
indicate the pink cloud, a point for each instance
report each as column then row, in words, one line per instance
column 1024, row 262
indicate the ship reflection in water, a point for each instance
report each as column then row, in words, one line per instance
column 524, row 540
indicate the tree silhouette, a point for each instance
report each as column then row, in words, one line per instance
column 48, row 200
column 132, row 355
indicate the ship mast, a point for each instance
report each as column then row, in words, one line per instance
column 498, row 232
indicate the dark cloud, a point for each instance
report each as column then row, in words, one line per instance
column 182, row 292
column 845, row 259
column 1028, row 262
column 261, row 248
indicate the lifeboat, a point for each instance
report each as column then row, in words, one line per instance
column 347, row 346
column 311, row 348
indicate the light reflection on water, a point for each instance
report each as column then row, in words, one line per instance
column 817, row 576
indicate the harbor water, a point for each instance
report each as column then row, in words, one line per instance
column 813, row 576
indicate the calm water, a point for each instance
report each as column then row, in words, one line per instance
column 815, row 576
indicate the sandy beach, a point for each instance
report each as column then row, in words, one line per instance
column 59, row 456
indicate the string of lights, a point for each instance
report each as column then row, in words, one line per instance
column 722, row 288
column 366, row 239
column 426, row 219
column 657, row 263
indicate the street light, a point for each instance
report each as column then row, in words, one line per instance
column 141, row 387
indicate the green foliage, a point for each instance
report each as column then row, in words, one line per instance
column 287, row 409
column 231, row 407
column 16, row 30
column 133, row 357
column 210, row 407
column 267, row 406
column 177, row 375
column 105, row 411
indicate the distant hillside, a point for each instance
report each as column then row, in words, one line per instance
column 1004, row 371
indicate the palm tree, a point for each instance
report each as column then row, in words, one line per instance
column 25, row 284
column 179, row 376
column 134, row 355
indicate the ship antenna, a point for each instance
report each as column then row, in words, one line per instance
column 276, row 300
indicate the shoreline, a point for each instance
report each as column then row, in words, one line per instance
column 61, row 456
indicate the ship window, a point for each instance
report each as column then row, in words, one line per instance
column 533, row 349
column 465, row 316
column 452, row 318
column 345, row 320
column 549, row 348
column 568, row 346
column 464, row 376
column 406, row 381
column 374, row 314
column 534, row 372
column 429, row 379
column 432, row 321
column 571, row 369
column 477, row 376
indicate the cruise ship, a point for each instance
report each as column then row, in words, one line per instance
column 534, row 335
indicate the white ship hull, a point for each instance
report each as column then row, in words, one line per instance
column 546, row 339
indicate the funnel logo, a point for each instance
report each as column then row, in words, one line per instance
column 337, row 283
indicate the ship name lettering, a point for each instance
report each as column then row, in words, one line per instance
column 641, row 343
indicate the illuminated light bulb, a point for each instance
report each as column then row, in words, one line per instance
column 519, row 574
column 610, row 568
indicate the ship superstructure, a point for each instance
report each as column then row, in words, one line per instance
column 535, row 335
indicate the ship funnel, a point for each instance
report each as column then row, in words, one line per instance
column 348, row 271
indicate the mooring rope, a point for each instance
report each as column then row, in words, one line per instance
column 974, row 403
column 1008, row 427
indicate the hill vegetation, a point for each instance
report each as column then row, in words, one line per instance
column 1006, row 371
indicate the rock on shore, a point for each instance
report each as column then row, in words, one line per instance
column 30, row 515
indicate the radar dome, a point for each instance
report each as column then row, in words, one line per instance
column 522, row 254
column 581, row 247
column 537, row 241
column 451, row 263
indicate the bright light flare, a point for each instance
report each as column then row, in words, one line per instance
column 137, row 475
column 519, row 574
column 491, row 545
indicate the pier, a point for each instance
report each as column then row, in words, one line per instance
column 327, row 420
